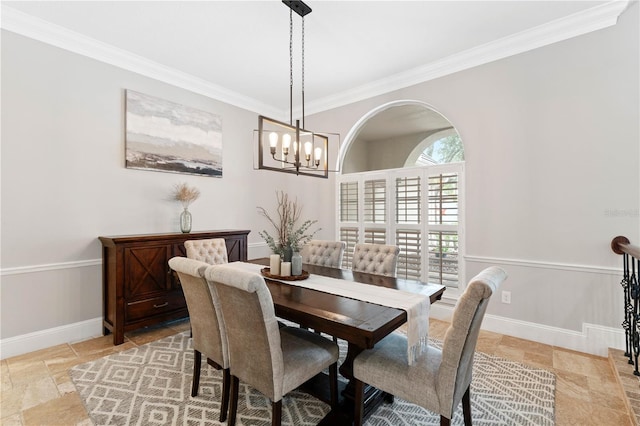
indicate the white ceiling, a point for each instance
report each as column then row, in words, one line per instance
column 354, row 48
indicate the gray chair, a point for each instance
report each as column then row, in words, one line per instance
column 272, row 360
column 212, row 251
column 378, row 259
column 208, row 332
column 440, row 378
column 323, row 253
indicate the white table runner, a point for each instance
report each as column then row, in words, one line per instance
column 416, row 305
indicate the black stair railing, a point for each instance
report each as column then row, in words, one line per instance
column 631, row 286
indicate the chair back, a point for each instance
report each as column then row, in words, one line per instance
column 376, row 259
column 252, row 328
column 454, row 374
column 207, row 328
column 323, row 253
column 212, row 251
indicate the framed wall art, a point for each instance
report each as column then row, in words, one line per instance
column 169, row 137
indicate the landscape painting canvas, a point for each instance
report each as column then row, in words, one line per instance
column 169, row 137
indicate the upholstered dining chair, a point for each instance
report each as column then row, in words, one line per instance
column 378, row 259
column 270, row 359
column 212, row 251
column 323, row 253
column 440, row 378
column 208, row 332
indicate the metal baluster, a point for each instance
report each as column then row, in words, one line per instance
column 635, row 293
column 628, row 309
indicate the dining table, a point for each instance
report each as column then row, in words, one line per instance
column 361, row 324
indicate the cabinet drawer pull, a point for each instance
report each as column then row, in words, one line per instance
column 161, row 306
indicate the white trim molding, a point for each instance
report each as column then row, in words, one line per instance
column 18, row 345
column 592, row 339
column 593, row 19
column 580, row 23
column 546, row 265
column 50, row 267
column 38, row 29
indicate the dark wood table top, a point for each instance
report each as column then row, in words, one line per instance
column 360, row 323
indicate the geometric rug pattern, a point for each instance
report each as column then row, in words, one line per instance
column 151, row 385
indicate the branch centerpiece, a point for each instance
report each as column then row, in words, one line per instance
column 289, row 237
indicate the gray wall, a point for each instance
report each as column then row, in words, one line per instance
column 552, row 152
column 64, row 182
column 551, row 146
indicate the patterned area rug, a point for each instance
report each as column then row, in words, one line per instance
column 151, row 385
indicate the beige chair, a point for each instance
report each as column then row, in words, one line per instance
column 209, row 338
column 323, row 253
column 439, row 379
column 272, row 360
column 378, row 259
column 212, row 251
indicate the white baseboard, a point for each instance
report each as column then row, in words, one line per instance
column 593, row 339
column 42, row 339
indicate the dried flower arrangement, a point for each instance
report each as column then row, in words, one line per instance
column 185, row 194
column 288, row 238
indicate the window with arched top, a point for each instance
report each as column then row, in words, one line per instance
column 402, row 183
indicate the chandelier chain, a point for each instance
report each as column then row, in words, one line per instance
column 290, row 66
column 303, row 53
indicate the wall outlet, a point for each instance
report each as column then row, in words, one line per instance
column 506, row 297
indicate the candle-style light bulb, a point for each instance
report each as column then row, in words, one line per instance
column 273, row 142
column 318, row 155
column 286, row 143
column 308, row 147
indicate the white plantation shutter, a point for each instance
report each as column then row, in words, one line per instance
column 375, row 201
column 350, row 236
column 410, row 259
column 443, row 233
column 349, row 202
column 443, row 258
column 443, row 199
column 408, row 200
column 375, row 236
column 417, row 209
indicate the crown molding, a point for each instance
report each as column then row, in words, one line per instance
column 29, row 26
column 580, row 23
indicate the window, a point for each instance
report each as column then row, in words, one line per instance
column 350, row 237
column 408, row 200
column 349, row 202
column 417, row 209
column 410, row 259
column 375, row 200
column 375, row 236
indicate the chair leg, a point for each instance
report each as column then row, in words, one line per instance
column 197, row 360
column 358, row 403
column 444, row 421
column 276, row 413
column 224, row 405
column 466, row 406
column 333, row 385
column 235, row 388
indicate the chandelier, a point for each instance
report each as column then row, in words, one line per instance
column 290, row 148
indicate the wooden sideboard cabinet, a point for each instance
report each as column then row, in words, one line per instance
column 139, row 288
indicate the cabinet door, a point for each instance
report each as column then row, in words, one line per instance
column 146, row 270
column 236, row 248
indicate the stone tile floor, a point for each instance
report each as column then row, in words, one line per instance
column 37, row 390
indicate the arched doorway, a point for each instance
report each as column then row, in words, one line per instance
column 387, row 196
